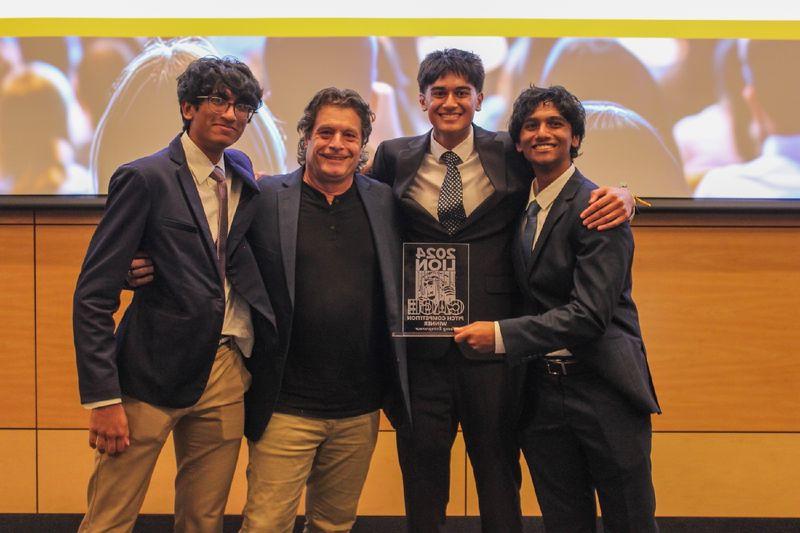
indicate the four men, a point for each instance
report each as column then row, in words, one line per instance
column 326, row 242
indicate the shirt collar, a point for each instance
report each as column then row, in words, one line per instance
column 463, row 150
column 319, row 195
column 199, row 164
column 546, row 197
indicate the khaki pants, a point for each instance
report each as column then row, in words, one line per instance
column 207, row 438
column 329, row 456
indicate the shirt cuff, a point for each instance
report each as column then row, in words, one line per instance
column 102, row 403
column 499, row 345
column 635, row 201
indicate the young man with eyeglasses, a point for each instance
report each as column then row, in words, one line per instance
column 176, row 362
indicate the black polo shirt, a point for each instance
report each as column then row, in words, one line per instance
column 338, row 354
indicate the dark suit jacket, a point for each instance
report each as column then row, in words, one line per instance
column 166, row 343
column 273, row 235
column 493, row 292
column 577, row 294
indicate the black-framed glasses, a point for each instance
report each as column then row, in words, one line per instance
column 221, row 105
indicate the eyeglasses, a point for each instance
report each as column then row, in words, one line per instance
column 221, row 105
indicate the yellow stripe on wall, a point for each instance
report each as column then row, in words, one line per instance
column 329, row 27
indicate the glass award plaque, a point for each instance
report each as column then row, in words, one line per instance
column 435, row 289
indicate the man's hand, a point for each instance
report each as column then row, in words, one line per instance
column 108, row 429
column 477, row 337
column 141, row 271
column 608, row 208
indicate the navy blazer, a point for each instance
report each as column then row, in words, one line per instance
column 489, row 229
column 273, row 236
column 164, row 348
column 577, row 295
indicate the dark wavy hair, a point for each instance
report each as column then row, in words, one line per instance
column 567, row 104
column 344, row 98
column 451, row 61
column 210, row 76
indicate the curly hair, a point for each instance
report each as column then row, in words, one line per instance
column 451, row 61
column 567, row 104
column 344, row 98
column 210, row 76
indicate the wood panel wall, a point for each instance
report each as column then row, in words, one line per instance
column 719, row 304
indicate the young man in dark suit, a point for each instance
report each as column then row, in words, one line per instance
column 589, row 395
column 175, row 365
column 460, row 183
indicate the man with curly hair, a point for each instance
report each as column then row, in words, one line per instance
column 588, row 394
column 327, row 242
column 176, row 364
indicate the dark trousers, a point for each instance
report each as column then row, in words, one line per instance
column 483, row 397
column 580, row 435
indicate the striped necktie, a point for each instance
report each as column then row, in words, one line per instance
column 222, row 234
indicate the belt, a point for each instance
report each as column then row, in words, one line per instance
column 553, row 366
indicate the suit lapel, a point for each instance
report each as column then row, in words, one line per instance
column 408, row 162
column 241, row 220
column 378, row 220
column 557, row 210
column 288, row 215
column 192, row 197
column 493, row 158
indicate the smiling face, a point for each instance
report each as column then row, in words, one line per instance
column 333, row 148
column 451, row 102
column 212, row 132
column 546, row 139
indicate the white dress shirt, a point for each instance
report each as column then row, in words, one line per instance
column 237, row 322
column 427, row 184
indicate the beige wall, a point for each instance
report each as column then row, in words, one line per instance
column 718, row 297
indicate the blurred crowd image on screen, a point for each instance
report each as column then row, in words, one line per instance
column 723, row 109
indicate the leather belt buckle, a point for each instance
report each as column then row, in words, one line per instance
column 555, row 367
column 562, row 367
